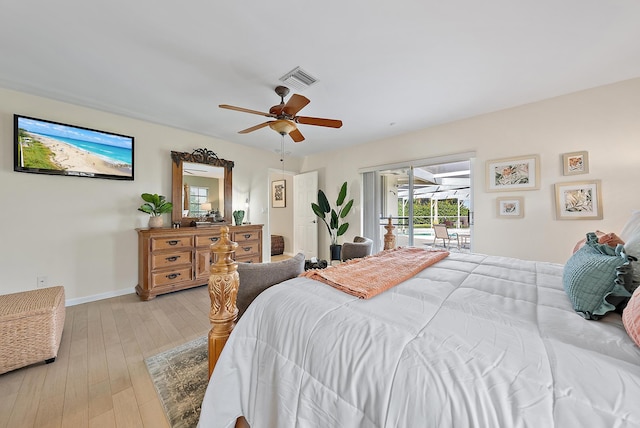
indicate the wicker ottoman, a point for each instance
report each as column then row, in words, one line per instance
column 31, row 325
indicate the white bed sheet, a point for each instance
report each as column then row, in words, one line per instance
column 473, row 341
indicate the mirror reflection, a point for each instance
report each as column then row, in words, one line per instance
column 203, row 191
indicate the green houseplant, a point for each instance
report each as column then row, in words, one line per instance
column 335, row 224
column 155, row 205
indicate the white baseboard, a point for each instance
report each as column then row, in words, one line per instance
column 101, row 296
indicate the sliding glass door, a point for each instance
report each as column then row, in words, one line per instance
column 417, row 197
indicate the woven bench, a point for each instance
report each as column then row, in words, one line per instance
column 31, row 325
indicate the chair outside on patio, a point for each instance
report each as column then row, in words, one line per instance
column 441, row 232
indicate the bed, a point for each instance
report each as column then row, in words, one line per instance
column 471, row 341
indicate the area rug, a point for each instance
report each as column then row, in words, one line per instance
column 180, row 376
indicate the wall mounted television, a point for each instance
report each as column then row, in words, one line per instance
column 46, row 147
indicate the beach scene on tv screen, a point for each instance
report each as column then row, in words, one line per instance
column 70, row 150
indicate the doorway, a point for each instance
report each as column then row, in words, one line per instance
column 294, row 222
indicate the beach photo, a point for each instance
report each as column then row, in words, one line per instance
column 54, row 148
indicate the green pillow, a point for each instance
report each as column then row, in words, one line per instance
column 596, row 278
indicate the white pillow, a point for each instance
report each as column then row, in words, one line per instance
column 632, row 248
column 632, row 228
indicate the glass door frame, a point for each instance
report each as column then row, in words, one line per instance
column 371, row 190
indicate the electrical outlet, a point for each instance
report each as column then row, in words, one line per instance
column 42, row 282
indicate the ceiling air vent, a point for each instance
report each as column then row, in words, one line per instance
column 298, row 78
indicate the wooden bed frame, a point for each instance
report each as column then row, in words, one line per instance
column 223, row 290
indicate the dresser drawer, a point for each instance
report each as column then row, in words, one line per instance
column 247, row 249
column 248, row 259
column 206, row 240
column 173, row 276
column 241, row 237
column 171, row 242
column 170, row 259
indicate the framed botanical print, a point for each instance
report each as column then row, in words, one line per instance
column 519, row 173
column 575, row 163
column 510, row 207
column 278, row 194
column 579, row 200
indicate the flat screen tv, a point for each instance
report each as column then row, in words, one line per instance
column 46, row 147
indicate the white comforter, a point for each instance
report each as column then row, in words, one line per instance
column 473, row 341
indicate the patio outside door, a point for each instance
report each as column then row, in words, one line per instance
column 417, row 197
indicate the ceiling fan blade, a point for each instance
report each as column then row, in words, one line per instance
column 295, row 104
column 245, row 110
column 331, row 123
column 254, row 128
column 296, row 135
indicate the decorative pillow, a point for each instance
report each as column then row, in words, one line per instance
column 257, row 277
column 632, row 248
column 611, row 239
column 632, row 227
column 631, row 317
column 595, row 278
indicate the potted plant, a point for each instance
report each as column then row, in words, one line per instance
column 335, row 226
column 155, row 205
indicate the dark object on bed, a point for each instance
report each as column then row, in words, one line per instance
column 277, row 245
column 257, row 277
column 319, row 264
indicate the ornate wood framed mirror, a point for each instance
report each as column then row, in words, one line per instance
column 201, row 183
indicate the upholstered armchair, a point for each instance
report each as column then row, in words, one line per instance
column 360, row 247
column 257, row 277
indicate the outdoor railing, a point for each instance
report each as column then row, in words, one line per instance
column 426, row 222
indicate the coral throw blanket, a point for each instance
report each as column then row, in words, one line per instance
column 372, row 275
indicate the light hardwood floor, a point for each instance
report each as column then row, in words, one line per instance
column 99, row 378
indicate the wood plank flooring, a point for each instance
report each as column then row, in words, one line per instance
column 99, row 378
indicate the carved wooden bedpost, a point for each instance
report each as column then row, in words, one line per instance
column 223, row 290
column 389, row 237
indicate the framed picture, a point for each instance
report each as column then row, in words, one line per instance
column 579, row 201
column 520, row 173
column 575, row 163
column 512, row 207
column 278, row 194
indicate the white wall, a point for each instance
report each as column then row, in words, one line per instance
column 281, row 219
column 604, row 121
column 80, row 232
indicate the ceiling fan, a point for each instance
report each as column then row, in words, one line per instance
column 285, row 116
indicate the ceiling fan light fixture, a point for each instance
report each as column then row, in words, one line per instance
column 298, row 78
column 282, row 126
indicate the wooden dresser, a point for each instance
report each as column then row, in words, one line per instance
column 175, row 259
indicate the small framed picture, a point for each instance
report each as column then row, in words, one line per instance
column 575, row 163
column 511, row 207
column 520, row 173
column 278, row 194
column 579, row 200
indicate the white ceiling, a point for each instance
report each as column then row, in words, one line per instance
column 384, row 68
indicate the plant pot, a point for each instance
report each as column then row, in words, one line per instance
column 156, row 221
column 335, row 251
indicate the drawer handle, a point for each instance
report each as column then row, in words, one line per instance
column 214, row 239
column 247, row 235
column 172, row 258
column 173, row 242
column 246, row 248
column 173, row 276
